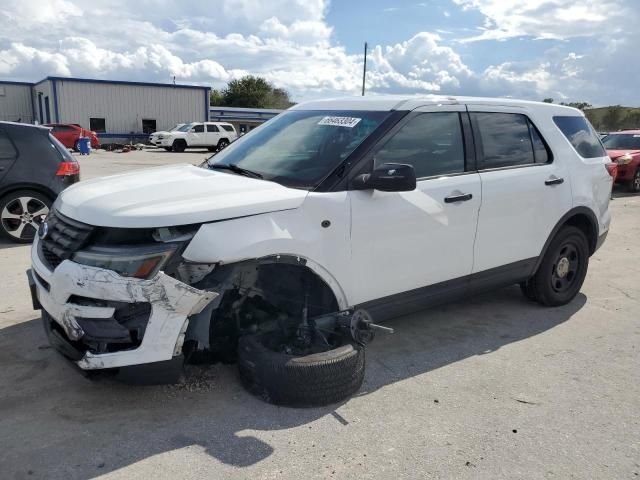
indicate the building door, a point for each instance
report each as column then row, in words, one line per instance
column 47, row 109
column 40, row 108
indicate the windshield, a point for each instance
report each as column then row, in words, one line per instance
column 184, row 127
column 620, row 141
column 176, row 128
column 300, row 148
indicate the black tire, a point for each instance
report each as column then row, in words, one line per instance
column 179, row 145
column 562, row 270
column 312, row 380
column 527, row 291
column 223, row 143
column 212, row 149
column 634, row 184
column 76, row 146
column 12, row 205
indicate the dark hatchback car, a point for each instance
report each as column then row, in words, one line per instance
column 34, row 168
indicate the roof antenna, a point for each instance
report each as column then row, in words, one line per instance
column 174, row 79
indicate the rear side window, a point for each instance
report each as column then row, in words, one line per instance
column 228, row 128
column 430, row 142
column 7, row 150
column 212, row 128
column 198, row 128
column 581, row 135
column 507, row 140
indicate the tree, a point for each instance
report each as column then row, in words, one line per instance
column 251, row 92
column 578, row 105
column 612, row 117
column 215, row 98
column 548, row 100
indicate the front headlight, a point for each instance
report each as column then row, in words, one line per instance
column 624, row 159
column 138, row 262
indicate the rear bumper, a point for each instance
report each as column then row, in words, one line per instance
column 601, row 240
column 77, row 298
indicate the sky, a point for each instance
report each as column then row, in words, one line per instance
column 564, row 49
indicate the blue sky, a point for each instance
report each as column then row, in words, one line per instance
column 567, row 50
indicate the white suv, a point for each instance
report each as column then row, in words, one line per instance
column 211, row 135
column 153, row 138
column 280, row 251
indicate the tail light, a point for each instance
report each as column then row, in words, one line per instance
column 612, row 168
column 67, row 169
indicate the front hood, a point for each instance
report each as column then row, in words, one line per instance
column 174, row 195
column 613, row 154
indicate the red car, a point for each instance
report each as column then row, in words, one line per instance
column 69, row 133
column 624, row 150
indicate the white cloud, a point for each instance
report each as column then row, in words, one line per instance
column 556, row 19
column 290, row 43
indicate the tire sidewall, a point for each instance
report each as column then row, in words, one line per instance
column 632, row 184
column 542, row 279
column 300, row 381
column 179, row 146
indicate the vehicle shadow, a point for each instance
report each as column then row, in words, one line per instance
column 56, row 423
column 622, row 193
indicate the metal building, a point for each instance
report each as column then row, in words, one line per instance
column 114, row 109
column 244, row 119
column 15, row 102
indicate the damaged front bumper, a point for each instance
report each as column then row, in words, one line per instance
column 111, row 321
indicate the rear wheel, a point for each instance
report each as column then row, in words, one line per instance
column 179, row 145
column 634, row 184
column 223, row 143
column 21, row 213
column 76, row 146
column 562, row 270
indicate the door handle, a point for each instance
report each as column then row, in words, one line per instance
column 458, row 198
column 553, row 181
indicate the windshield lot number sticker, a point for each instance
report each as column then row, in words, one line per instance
column 348, row 122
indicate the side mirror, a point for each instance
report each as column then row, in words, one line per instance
column 389, row 177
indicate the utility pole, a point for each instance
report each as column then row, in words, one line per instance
column 364, row 69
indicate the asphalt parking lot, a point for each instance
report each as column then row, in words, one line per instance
column 491, row 387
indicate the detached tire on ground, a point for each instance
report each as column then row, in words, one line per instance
column 306, row 381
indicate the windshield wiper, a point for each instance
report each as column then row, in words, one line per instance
column 236, row 169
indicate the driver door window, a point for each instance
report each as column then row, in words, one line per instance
column 431, row 142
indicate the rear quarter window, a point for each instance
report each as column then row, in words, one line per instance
column 581, row 135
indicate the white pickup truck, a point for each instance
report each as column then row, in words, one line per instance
column 212, row 135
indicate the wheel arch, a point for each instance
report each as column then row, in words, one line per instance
column 246, row 275
column 14, row 187
column 579, row 217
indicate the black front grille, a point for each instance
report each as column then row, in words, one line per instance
column 64, row 238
